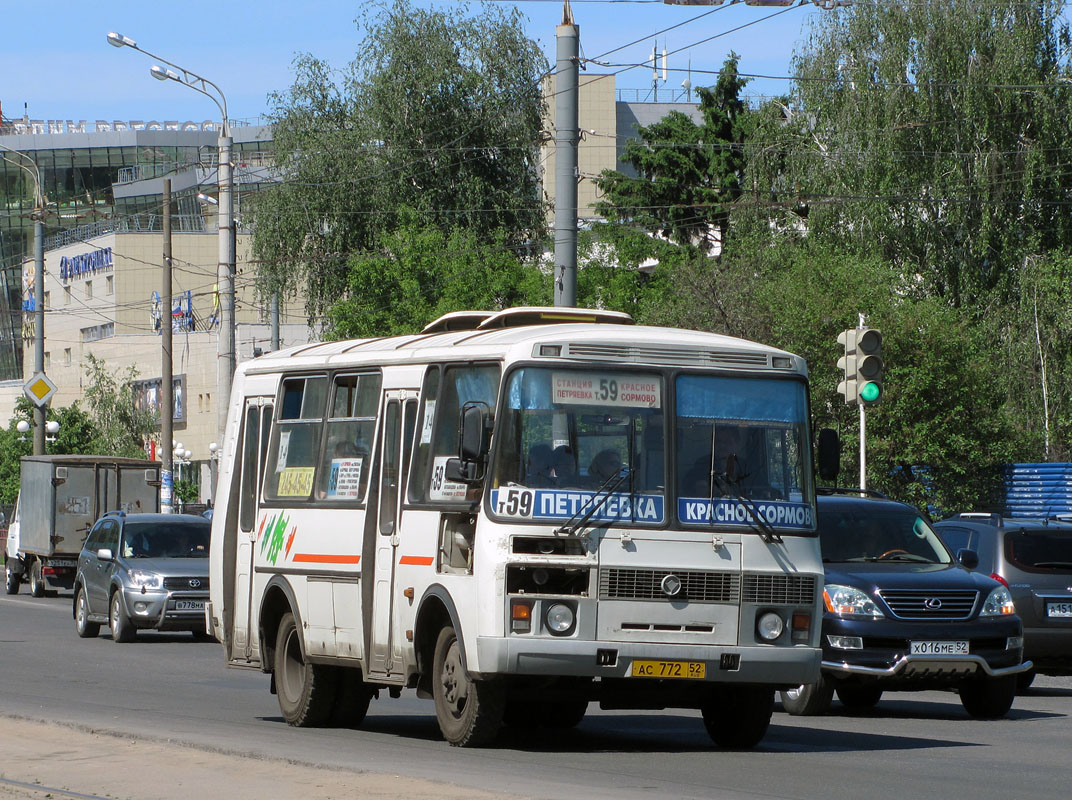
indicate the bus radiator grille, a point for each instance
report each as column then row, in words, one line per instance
column 779, row 590
column 697, row 586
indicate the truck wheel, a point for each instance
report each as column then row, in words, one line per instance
column 37, row 580
column 469, row 712
column 988, row 698
column 738, row 716
column 85, row 628
column 809, row 699
column 122, row 630
column 306, row 691
column 13, row 580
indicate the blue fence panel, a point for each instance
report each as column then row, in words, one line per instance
column 1038, row 490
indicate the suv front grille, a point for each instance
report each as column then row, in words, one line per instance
column 646, row 584
column 183, row 584
column 780, row 590
column 932, row 604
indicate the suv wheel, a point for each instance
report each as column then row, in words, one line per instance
column 988, row 698
column 859, row 696
column 85, row 628
column 122, row 630
column 809, row 699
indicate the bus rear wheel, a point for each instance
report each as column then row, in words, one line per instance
column 738, row 716
column 306, row 691
column 469, row 712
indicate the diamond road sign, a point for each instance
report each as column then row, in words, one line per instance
column 39, row 389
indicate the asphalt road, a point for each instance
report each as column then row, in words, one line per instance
column 171, row 688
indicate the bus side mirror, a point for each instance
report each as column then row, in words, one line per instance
column 473, row 444
column 828, row 454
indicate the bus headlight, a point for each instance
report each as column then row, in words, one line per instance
column 770, row 626
column 559, row 619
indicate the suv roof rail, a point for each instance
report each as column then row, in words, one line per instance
column 991, row 517
column 115, row 513
column 848, row 490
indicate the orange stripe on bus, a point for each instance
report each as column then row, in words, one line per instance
column 316, row 558
column 420, row 561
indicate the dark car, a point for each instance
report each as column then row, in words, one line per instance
column 1033, row 558
column 143, row 571
column 902, row 614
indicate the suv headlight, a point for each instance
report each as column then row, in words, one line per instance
column 145, row 580
column 998, row 603
column 847, row 601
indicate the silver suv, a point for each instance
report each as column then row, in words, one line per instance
column 143, row 571
column 1033, row 558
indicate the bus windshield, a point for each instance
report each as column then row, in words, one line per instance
column 741, row 447
column 578, row 440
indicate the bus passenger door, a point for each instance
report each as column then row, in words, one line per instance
column 399, row 421
column 256, row 424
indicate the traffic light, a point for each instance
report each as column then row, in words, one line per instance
column 847, row 364
column 869, row 365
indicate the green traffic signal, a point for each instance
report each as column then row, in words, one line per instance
column 870, row 392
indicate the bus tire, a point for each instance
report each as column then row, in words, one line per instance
column 306, row 691
column 808, row 699
column 13, row 579
column 738, row 716
column 354, row 696
column 37, row 580
column 469, row 712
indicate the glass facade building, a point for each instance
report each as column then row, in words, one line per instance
column 101, row 181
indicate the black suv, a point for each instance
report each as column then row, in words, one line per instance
column 1033, row 558
column 902, row 614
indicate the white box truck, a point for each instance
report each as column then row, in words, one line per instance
column 60, row 497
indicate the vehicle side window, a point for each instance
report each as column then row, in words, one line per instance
column 92, row 541
column 295, row 446
column 439, row 442
column 110, row 536
column 250, row 440
column 959, row 538
column 351, row 425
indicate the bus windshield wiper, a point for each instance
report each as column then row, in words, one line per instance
column 725, row 484
column 595, row 502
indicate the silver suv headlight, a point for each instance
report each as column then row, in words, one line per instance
column 848, row 601
column 145, row 580
column 998, row 603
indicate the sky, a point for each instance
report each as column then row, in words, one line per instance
column 61, row 67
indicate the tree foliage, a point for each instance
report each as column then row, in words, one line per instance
column 438, row 114
column 122, row 426
column 687, row 175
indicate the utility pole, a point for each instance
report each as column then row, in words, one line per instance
column 167, row 401
column 39, row 317
column 275, row 320
column 567, row 37
column 225, row 363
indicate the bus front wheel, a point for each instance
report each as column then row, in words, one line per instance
column 469, row 712
column 306, row 691
column 738, row 717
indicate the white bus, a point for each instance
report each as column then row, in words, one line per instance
column 517, row 514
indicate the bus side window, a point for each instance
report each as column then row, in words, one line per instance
column 418, row 480
column 250, row 446
column 296, row 437
column 345, row 466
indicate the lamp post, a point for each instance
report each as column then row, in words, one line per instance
column 225, row 361
column 213, row 468
column 39, row 288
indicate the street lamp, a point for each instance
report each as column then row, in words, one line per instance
column 39, row 287
column 225, row 363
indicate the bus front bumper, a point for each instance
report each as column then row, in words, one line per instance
column 771, row 665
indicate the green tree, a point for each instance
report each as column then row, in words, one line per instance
column 122, row 425
column 934, row 134
column 688, row 176
column 77, row 435
column 439, row 114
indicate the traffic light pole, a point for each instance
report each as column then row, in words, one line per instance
column 863, row 448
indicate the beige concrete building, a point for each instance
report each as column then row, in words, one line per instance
column 102, row 297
